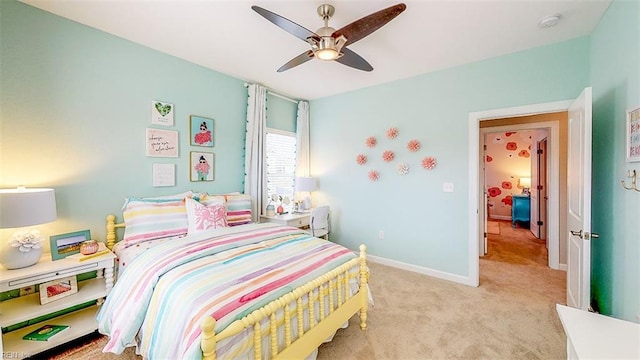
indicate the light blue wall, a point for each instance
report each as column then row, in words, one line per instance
column 615, row 75
column 281, row 114
column 423, row 225
column 75, row 103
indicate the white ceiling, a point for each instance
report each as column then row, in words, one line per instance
column 229, row 37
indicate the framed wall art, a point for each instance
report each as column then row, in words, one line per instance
column 162, row 143
column 57, row 289
column 64, row 245
column 201, row 131
column 632, row 149
column 161, row 113
column 202, row 166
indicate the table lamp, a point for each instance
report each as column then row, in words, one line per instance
column 306, row 185
column 525, row 182
column 20, row 208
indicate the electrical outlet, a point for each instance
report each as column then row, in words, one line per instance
column 447, row 187
column 380, row 234
column 27, row 290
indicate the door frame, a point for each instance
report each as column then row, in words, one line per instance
column 476, row 211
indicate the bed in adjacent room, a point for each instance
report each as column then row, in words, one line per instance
column 190, row 286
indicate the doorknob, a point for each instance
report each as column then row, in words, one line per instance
column 592, row 235
column 576, row 233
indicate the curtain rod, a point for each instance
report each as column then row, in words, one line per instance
column 277, row 95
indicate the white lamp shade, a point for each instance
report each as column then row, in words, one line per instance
column 306, row 184
column 26, row 207
column 525, row 182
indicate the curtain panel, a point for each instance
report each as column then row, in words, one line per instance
column 254, row 178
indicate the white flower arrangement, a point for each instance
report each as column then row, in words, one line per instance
column 26, row 240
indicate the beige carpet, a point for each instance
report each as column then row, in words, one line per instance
column 511, row 315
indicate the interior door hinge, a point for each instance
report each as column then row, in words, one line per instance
column 540, row 223
column 539, row 151
column 539, row 187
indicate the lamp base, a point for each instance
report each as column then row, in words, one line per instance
column 12, row 258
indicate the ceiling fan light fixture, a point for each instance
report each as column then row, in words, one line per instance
column 327, row 54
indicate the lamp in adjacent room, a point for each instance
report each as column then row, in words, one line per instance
column 525, row 183
column 306, row 185
column 19, row 209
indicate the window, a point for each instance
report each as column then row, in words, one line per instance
column 280, row 152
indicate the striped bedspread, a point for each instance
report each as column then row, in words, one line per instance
column 161, row 297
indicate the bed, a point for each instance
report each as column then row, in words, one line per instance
column 248, row 291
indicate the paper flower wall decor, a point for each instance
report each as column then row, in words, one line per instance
column 429, row 163
column 361, row 159
column 413, row 145
column 374, row 175
column 388, row 156
column 371, row 141
column 392, row 133
column 402, row 168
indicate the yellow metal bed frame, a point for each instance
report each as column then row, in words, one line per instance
column 341, row 307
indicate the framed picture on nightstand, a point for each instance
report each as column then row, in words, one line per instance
column 57, row 289
column 64, row 245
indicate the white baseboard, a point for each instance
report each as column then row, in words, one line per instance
column 562, row 267
column 421, row 270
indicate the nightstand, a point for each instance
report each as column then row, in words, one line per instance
column 24, row 308
column 520, row 210
column 299, row 220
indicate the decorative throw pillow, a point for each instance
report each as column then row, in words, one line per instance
column 148, row 219
column 202, row 217
column 238, row 209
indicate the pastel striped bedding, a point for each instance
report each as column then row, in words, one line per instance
column 161, row 297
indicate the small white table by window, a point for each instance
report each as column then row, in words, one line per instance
column 300, row 220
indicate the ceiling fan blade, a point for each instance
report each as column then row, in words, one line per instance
column 285, row 24
column 354, row 60
column 368, row 24
column 300, row 59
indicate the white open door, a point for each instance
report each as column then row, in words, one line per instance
column 579, row 202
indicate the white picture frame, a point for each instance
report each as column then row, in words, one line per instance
column 161, row 113
column 164, row 175
column 162, row 143
column 58, row 289
column 632, row 132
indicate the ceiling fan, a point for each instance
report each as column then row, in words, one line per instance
column 328, row 43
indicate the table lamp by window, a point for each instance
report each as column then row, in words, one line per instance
column 20, row 208
column 306, row 185
column 525, row 183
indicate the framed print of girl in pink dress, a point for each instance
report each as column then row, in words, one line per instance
column 201, row 131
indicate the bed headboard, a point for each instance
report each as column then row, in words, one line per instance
column 111, row 231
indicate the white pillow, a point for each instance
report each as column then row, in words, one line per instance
column 203, row 217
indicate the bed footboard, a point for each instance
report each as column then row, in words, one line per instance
column 332, row 286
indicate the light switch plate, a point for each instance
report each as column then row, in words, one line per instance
column 447, row 187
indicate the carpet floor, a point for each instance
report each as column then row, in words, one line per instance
column 511, row 315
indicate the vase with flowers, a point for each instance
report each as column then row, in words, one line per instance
column 25, row 249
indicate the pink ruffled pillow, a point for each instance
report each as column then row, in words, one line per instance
column 203, row 217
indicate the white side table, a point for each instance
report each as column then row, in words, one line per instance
column 24, row 308
column 595, row 336
column 299, row 220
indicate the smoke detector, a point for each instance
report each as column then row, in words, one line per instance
column 549, row 21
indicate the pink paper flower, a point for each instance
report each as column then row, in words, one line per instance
column 388, row 155
column 361, row 159
column 374, row 175
column 429, row 163
column 413, row 145
column 392, row 133
column 403, row 168
column 371, row 141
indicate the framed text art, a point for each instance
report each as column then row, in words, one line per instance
column 67, row 244
column 202, row 166
column 161, row 113
column 162, row 143
column 201, row 131
column 632, row 148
